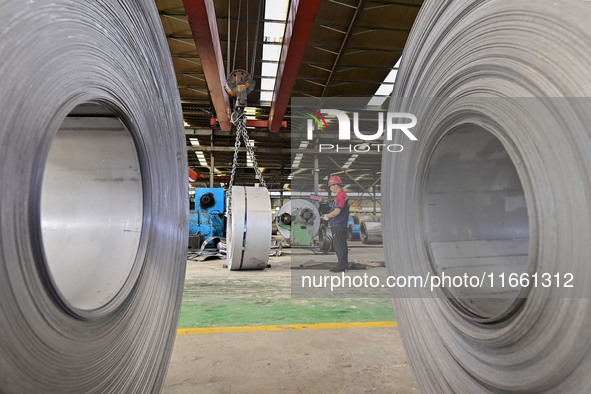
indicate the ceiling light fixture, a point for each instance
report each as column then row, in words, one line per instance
column 386, row 88
column 273, row 33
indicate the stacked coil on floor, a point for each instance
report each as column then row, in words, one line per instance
column 371, row 232
column 359, row 218
column 93, row 206
column 249, row 228
column 497, row 186
column 325, row 238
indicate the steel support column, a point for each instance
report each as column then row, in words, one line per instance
column 316, row 171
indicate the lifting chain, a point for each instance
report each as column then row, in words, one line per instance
column 241, row 132
column 238, row 85
column 250, row 151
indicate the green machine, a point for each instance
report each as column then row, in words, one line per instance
column 298, row 221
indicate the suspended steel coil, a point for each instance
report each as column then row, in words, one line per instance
column 249, row 228
column 93, row 206
column 497, row 185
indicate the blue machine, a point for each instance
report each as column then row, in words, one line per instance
column 354, row 232
column 208, row 217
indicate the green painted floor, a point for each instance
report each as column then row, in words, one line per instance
column 216, row 297
column 230, row 312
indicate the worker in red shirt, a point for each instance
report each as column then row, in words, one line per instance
column 338, row 218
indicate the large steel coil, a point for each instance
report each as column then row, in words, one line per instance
column 371, row 232
column 359, row 218
column 93, row 197
column 498, row 183
column 249, row 228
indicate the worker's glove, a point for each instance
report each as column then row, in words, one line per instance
column 324, row 217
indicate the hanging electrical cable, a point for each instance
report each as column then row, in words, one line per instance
column 236, row 37
column 249, row 208
column 247, row 36
column 228, row 45
column 256, row 35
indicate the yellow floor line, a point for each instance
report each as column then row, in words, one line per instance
column 283, row 327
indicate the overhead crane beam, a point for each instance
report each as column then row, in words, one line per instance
column 203, row 22
column 300, row 22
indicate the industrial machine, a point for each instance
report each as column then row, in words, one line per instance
column 207, row 219
column 298, row 220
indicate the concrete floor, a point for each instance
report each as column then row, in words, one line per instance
column 293, row 360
